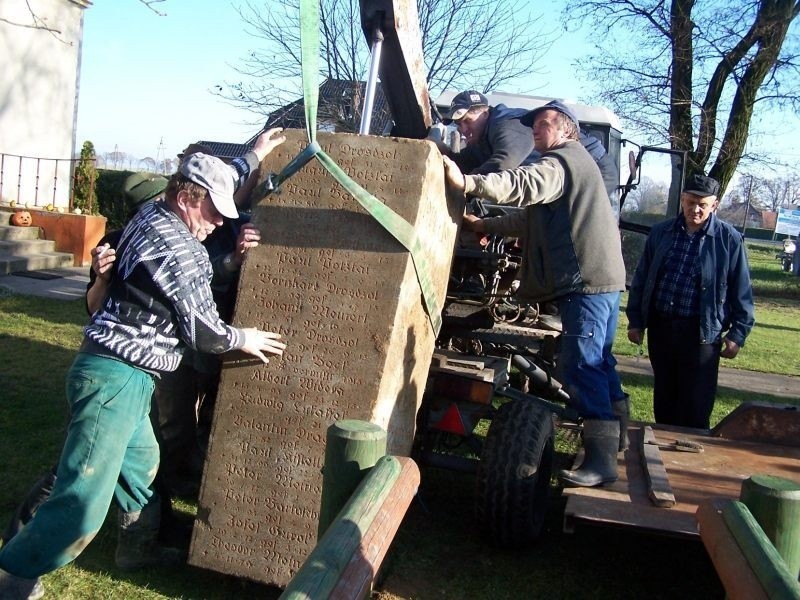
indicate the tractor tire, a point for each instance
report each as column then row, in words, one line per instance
column 514, row 474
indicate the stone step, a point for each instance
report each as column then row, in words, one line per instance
column 22, row 247
column 11, row 263
column 11, row 232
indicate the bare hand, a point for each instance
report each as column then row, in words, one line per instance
column 257, row 342
column 729, row 348
column 473, row 223
column 453, row 175
column 268, row 141
column 103, row 258
column 636, row 336
column 249, row 237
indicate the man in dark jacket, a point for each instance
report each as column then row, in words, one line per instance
column 569, row 258
column 495, row 138
column 692, row 291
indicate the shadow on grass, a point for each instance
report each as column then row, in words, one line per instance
column 439, row 553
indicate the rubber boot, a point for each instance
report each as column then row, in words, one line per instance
column 137, row 545
column 600, row 443
column 40, row 492
column 19, row 588
column 622, row 410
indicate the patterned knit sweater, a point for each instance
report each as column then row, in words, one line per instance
column 160, row 298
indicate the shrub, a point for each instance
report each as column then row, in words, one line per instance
column 110, row 199
column 84, row 195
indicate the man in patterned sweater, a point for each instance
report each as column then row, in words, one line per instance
column 159, row 302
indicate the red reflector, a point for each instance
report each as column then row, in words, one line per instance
column 451, row 422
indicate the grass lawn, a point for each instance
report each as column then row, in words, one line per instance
column 437, row 553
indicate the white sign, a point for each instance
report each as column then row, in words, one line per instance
column 788, row 222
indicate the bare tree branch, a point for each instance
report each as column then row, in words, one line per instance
column 691, row 72
column 149, row 4
column 480, row 44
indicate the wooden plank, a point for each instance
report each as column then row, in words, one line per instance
column 658, row 487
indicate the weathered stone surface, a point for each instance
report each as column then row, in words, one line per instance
column 344, row 294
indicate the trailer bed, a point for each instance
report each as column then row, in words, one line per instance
column 717, row 472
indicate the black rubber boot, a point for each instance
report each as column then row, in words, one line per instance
column 622, row 410
column 137, row 545
column 600, row 443
column 19, row 588
column 39, row 492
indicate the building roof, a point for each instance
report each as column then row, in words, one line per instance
column 339, row 110
column 227, row 150
column 340, row 104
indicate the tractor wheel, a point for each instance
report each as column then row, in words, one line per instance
column 514, row 474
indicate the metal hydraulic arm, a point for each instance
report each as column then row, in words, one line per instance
column 392, row 31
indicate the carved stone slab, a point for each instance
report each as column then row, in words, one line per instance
column 344, row 294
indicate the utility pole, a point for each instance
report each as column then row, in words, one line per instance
column 161, row 157
column 747, row 208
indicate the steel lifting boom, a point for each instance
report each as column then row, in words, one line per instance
column 392, row 31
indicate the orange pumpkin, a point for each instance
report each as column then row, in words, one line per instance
column 21, row 218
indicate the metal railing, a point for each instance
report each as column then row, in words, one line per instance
column 38, row 182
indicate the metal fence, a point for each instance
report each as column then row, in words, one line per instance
column 38, row 182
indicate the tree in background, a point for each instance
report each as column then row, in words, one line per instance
column 83, row 190
column 765, row 193
column 692, row 72
column 480, row 44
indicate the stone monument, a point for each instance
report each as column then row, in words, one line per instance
column 344, row 294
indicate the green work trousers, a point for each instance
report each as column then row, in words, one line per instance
column 110, row 452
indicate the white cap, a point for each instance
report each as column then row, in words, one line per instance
column 214, row 175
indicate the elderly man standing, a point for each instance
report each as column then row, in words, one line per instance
column 691, row 291
column 158, row 303
column 570, row 258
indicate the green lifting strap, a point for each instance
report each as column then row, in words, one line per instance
column 396, row 225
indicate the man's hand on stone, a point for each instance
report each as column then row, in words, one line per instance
column 267, row 142
column 249, row 237
column 103, row 258
column 729, row 348
column 453, row 175
column 257, row 342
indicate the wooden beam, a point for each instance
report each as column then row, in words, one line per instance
column 658, row 488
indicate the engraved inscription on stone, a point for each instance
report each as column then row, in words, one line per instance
column 344, row 295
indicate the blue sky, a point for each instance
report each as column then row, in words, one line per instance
column 146, row 78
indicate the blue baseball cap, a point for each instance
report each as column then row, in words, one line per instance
column 527, row 118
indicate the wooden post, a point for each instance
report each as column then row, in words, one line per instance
column 343, row 564
column 775, row 504
column 352, row 449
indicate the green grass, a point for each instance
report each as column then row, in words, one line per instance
column 437, row 552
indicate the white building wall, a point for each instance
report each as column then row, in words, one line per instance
column 39, row 70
